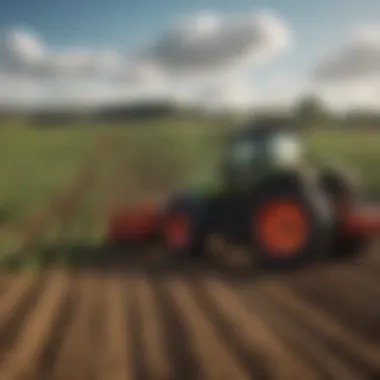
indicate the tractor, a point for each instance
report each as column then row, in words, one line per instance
column 270, row 197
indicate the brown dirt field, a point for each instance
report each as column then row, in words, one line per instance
column 317, row 323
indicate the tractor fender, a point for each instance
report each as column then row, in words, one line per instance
column 295, row 177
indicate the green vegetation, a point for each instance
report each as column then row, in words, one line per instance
column 355, row 148
column 189, row 153
column 37, row 164
column 160, row 157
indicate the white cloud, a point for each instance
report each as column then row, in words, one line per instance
column 349, row 78
column 24, row 53
column 24, row 47
column 83, row 63
column 209, row 43
column 219, row 47
column 204, row 43
column 364, row 95
column 16, row 90
column 236, row 94
column 31, row 73
column 357, row 60
column 247, row 93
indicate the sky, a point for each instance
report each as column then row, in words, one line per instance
column 237, row 53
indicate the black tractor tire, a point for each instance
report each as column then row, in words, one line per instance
column 342, row 191
column 350, row 246
column 202, row 221
column 316, row 212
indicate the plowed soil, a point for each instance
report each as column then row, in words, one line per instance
column 316, row 323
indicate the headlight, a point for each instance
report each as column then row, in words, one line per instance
column 286, row 149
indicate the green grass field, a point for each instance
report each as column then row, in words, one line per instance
column 38, row 164
column 357, row 149
column 189, row 152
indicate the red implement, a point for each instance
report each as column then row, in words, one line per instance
column 362, row 220
column 136, row 222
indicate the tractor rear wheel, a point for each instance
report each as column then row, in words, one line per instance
column 290, row 225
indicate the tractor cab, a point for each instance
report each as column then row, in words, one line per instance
column 258, row 151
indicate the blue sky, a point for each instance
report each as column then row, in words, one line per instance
column 316, row 27
column 126, row 23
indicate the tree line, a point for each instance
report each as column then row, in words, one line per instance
column 309, row 112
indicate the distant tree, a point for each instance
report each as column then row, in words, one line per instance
column 136, row 111
column 310, row 111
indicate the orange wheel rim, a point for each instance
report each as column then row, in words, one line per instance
column 282, row 227
column 176, row 230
